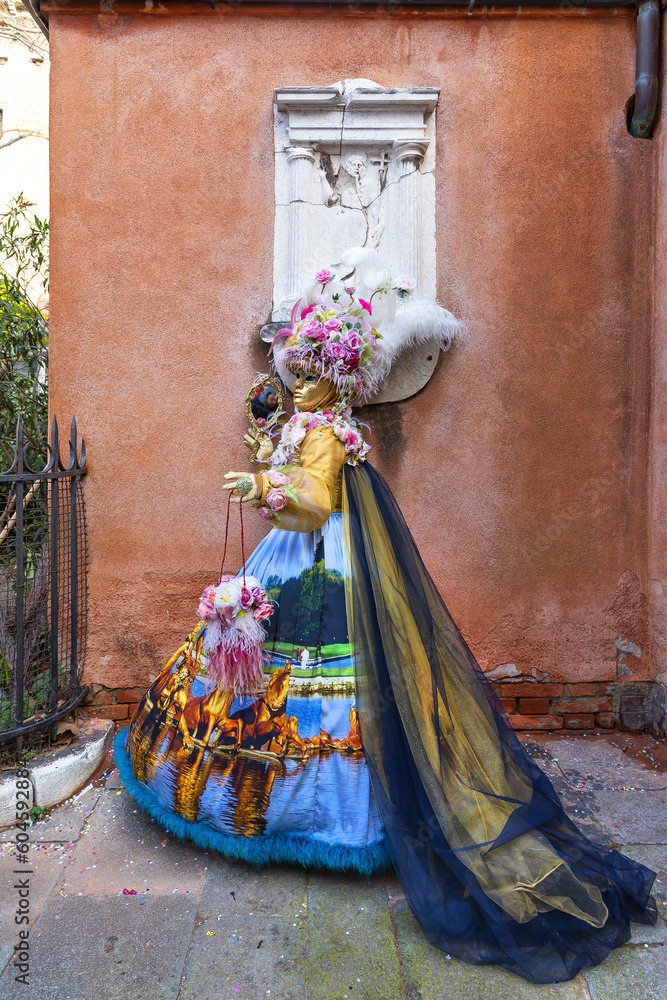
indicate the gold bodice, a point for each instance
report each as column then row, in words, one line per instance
column 338, row 486
column 316, row 474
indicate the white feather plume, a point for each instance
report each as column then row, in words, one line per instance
column 416, row 322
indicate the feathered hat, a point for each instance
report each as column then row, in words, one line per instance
column 352, row 322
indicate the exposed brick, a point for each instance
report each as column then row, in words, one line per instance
column 125, row 695
column 578, row 689
column 536, row 721
column 580, row 722
column 533, row 706
column 605, row 720
column 496, row 687
column 107, row 711
column 607, row 688
column 524, row 689
column 102, row 697
column 509, row 704
column 586, row 705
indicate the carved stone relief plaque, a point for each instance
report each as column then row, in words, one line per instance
column 355, row 167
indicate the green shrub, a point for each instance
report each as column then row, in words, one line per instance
column 24, row 282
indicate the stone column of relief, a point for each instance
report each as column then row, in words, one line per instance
column 409, row 156
column 300, row 160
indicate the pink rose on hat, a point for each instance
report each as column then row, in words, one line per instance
column 353, row 341
column 314, row 329
column 336, row 351
column 405, row 285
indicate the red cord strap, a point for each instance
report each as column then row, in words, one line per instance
column 242, row 547
column 224, row 554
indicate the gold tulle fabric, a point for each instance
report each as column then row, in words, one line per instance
column 473, row 784
column 315, row 480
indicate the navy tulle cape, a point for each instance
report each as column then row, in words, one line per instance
column 493, row 869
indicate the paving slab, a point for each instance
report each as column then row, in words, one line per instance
column 576, row 797
column 250, row 934
column 582, row 808
column 64, row 824
column 630, row 973
column 113, row 780
column 47, row 873
column 649, row 934
column 633, row 817
column 350, row 880
column 87, row 949
column 123, row 848
column 247, row 958
column 235, row 889
column 430, row 975
column 654, row 856
column 602, row 766
column 351, row 945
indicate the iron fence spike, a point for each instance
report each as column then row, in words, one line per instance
column 73, row 458
column 43, row 534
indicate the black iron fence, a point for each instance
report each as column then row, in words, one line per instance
column 43, row 594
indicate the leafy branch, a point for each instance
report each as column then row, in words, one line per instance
column 24, row 281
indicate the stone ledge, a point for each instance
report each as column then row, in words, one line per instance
column 58, row 775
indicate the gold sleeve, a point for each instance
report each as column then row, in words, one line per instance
column 322, row 458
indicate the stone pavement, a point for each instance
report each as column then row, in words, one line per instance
column 203, row 928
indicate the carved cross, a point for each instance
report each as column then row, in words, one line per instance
column 381, row 162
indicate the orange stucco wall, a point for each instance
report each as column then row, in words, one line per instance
column 523, row 468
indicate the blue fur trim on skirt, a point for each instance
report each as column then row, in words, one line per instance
column 263, row 850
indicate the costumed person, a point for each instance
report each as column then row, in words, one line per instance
column 385, row 744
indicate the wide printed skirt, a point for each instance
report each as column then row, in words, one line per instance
column 282, row 777
column 378, row 740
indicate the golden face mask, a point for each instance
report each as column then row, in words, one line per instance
column 312, row 392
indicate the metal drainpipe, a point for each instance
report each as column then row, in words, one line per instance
column 646, row 76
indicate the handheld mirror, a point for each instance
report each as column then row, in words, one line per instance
column 263, row 382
